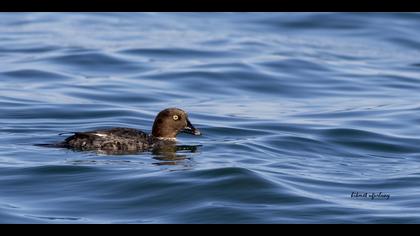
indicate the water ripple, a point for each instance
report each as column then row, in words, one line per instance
column 298, row 112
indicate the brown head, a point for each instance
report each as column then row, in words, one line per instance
column 169, row 122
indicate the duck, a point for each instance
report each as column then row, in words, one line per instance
column 167, row 125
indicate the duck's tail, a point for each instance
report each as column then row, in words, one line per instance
column 55, row 145
column 52, row 145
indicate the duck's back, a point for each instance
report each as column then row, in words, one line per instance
column 113, row 139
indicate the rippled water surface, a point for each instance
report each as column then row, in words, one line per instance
column 298, row 110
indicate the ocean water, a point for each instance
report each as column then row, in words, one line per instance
column 306, row 117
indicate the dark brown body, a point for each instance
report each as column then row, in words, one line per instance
column 118, row 139
column 168, row 123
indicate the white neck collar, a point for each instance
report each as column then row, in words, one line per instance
column 165, row 139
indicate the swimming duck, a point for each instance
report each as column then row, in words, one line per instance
column 168, row 123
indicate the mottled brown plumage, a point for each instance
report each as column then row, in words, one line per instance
column 168, row 123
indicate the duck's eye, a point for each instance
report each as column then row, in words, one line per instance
column 175, row 117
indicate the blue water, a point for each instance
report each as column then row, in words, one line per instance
column 298, row 111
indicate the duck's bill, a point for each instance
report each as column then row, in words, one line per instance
column 189, row 129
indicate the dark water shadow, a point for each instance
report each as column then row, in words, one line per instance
column 166, row 155
column 173, row 155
